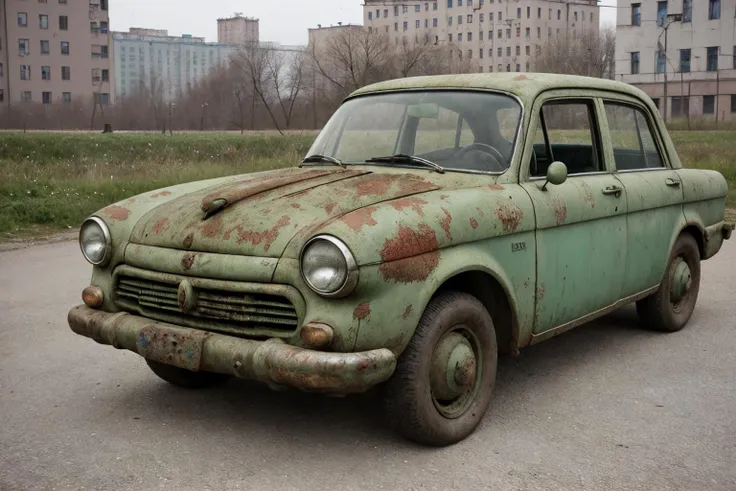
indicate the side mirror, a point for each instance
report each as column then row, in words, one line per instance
column 556, row 174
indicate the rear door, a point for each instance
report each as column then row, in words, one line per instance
column 653, row 193
column 581, row 224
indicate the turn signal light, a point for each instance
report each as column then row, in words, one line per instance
column 93, row 297
column 316, row 335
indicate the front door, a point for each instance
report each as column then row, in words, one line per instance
column 581, row 224
column 653, row 193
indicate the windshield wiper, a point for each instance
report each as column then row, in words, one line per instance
column 323, row 158
column 400, row 157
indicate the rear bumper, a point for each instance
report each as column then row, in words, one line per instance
column 271, row 361
column 714, row 237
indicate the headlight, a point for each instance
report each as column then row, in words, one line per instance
column 329, row 267
column 94, row 240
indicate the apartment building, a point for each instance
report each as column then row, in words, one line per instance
column 690, row 44
column 238, row 30
column 169, row 66
column 495, row 35
column 54, row 52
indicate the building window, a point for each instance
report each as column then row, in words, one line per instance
column 500, row 54
column 449, row 37
column 528, row 12
column 418, row 24
column 687, row 10
column 67, row 96
column 527, row 33
column 508, row 50
column 43, row 21
column 460, row 37
column 634, row 62
column 65, row 47
column 528, row 50
column 684, row 60
column 404, row 9
column 45, row 73
column 2, row 95
column 655, row 100
column 508, row 33
column 712, row 59
column 518, row 32
column 470, row 18
column 539, row 33
column 63, row 23
column 23, row 47
column 434, row 6
column 480, row 53
column 25, row 72
column 102, row 98
column 500, row 34
column 518, row 50
column 539, row 12
column 508, row 67
column 470, row 54
column 370, row 16
column 435, row 22
column 518, row 67
column 1, row 69
column 66, row 73
column 661, row 13
column 396, row 10
column 660, row 62
column 46, row 97
column 490, row 19
column 385, row 13
column 417, row 8
column 714, row 9
column 45, row 49
column 62, row 1
column 449, row 4
column 635, row 14
column 96, row 77
column 680, row 106
column 482, row 18
column 734, row 57
column 470, row 37
column 558, row 14
column 575, row 15
column 518, row 13
column 709, row 104
column 500, row 16
column 396, row 27
column 733, row 103
column 22, row 19
column 459, row 19
column 25, row 96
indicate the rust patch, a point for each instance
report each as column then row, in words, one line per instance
column 473, row 223
column 510, row 216
column 116, row 213
column 379, row 184
column 495, row 187
column 560, row 209
column 540, row 292
column 296, row 206
column 588, row 194
column 374, row 185
column 161, row 225
column 268, row 237
column 411, row 202
column 360, row 218
column 188, row 241
column 521, row 77
column 188, row 261
column 443, row 196
column 213, row 226
column 329, row 207
column 445, row 224
column 411, row 255
column 362, row 311
column 407, row 312
column 480, row 212
column 161, row 194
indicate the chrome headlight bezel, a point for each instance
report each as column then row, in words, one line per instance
column 105, row 233
column 353, row 273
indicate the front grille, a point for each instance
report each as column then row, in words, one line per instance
column 241, row 309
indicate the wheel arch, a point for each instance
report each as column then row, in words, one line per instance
column 698, row 234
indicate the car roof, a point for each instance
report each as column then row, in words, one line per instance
column 524, row 85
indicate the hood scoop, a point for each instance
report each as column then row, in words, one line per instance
column 219, row 200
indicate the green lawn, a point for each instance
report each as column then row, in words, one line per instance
column 52, row 181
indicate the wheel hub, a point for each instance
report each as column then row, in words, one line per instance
column 681, row 280
column 453, row 369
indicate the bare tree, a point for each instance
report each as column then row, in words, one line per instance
column 252, row 63
column 287, row 80
column 591, row 54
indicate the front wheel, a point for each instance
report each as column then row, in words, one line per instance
column 444, row 379
column 185, row 378
column 670, row 309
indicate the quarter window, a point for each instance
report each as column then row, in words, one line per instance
column 630, row 130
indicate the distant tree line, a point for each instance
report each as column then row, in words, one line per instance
column 266, row 89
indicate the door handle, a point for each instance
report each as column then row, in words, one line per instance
column 615, row 190
column 672, row 182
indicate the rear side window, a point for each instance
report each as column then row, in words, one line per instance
column 633, row 143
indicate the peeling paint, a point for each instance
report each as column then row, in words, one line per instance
column 161, row 225
column 445, row 223
column 495, row 187
column 362, row 311
column 407, row 312
column 510, row 216
column 360, row 218
column 188, row 261
column 116, row 213
column 473, row 223
column 588, row 194
column 161, row 194
column 411, row 202
column 268, row 237
column 212, row 227
column 329, row 207
column 411, row 255
column 188, row 240
column 560, row 209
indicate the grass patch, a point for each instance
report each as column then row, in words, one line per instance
column 52, row 181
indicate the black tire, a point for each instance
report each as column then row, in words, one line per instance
column 411, row 404
column 659, row 311
column 185, row 378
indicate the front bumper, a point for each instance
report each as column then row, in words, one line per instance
column 272, row 361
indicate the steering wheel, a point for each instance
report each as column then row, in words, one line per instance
column 488, row 150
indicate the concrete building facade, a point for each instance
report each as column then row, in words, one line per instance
column 691, row 44
column 55, row 52
column 495, row 35
column 238, row 31
column 168, row 65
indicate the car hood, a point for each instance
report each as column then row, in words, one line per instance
column 260, row 215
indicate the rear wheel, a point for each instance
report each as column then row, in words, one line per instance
column 444, row 379
column 185, row 378
column 672, row 306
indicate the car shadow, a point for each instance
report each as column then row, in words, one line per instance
column 316, row 420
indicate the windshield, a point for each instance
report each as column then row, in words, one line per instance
column 458, row 130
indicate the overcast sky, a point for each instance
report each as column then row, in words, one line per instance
column 282, row 21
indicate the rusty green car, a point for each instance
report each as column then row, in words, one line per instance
column 435, row 223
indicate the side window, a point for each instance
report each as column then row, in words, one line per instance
column 567, row 134
column 631, row 137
